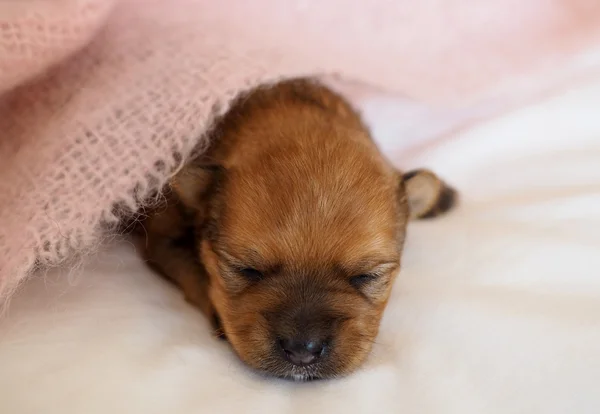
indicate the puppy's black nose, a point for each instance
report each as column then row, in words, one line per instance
column 300, row 352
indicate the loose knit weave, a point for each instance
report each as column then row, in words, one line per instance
column 101, row 100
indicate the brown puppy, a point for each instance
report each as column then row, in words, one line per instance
column 289, row 230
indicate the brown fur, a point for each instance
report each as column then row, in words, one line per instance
column 294, row 188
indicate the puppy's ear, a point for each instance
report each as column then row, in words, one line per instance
column 195, row 181
column 428, row 196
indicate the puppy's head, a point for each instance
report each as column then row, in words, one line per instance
column 302, row 249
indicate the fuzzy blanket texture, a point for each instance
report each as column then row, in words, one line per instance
column 101, row 100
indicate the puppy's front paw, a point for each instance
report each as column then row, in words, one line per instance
column 428, row 196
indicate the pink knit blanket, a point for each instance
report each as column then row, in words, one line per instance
column 100, row 100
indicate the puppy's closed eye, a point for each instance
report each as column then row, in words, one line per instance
column 362, row 280
column 252, row 275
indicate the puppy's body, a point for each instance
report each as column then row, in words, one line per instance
column 289, row 230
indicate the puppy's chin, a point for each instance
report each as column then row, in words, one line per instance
column 317, row 372
column 328, row 369
column 303, row 374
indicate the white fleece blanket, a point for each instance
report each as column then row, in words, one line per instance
column 497, row 309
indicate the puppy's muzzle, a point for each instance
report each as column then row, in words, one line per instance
column 303, row 335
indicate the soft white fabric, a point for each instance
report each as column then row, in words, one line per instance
column 497, row 309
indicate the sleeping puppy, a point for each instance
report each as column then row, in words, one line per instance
column 288, row 232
